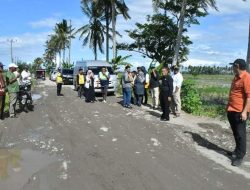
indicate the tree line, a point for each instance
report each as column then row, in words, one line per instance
column 207, row 70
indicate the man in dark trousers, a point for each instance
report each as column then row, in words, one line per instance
column 238, row 109
column 166, row 90
column 59, row 82
column 80, row 82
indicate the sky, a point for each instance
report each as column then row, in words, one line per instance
column 220, row 38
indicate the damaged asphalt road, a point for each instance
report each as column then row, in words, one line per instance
column 68, row 144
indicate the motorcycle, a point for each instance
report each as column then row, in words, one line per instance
column 25, row 97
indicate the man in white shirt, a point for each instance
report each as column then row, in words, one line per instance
column 25, row 75
column 176, row 100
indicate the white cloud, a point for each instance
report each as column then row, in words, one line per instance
column 201, row 62
column 229, row 7
column 26, row 47
column 44, row 23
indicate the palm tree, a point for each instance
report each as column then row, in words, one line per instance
column 94, row 31
column 110, row 9
column 120, row 61
column 63, row 32
column 117, row 7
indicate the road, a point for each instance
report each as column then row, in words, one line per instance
column 68, row 144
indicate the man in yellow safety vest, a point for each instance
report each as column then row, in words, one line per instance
column 59, row 82
column 80, row 82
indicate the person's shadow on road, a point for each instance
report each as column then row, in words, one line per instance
column 207, row 144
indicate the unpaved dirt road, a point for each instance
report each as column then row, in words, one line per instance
column 67, row 144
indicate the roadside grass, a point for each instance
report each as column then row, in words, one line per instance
column 213, row 91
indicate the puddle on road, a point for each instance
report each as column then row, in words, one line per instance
column 17, row 166
column 36, row 96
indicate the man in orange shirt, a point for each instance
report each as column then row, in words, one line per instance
column 238, row 109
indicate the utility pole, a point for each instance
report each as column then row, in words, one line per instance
column 11, row 49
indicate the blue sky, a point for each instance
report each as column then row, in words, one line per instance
column 220, row 38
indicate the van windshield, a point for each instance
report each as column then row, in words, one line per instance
column 96, row 70
column 67, row 71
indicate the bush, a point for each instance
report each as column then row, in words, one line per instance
column 191, row 101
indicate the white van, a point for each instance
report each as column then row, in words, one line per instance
column 96, row 67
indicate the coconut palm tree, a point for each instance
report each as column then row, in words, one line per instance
column 93, row 32
column 110, row 9
column 63, row 32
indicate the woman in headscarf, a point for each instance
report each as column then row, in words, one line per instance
column 89, row 87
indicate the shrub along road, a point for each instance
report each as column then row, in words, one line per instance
column 68, row 144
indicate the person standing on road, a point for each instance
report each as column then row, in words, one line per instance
column 13, row 88
column 154, row 88
column 104, row 77
column 139, row 82
column 146, row 86
column 59, row 82
column 80, row 82
column 127, row 80
column 238, row 108
column 2, row 92
column 89, row 87
column 166, row 91
column 176, row 100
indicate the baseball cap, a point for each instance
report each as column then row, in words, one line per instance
column 241, row 62
column 13, row 65
column 1, row 65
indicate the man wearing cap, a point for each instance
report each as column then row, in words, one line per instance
column 13, row 88
column 176, row 100
column 238, row 108
column 2, row 91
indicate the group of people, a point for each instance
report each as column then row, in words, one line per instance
column 10, row 82
column 164, row 88
column 85, row 84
